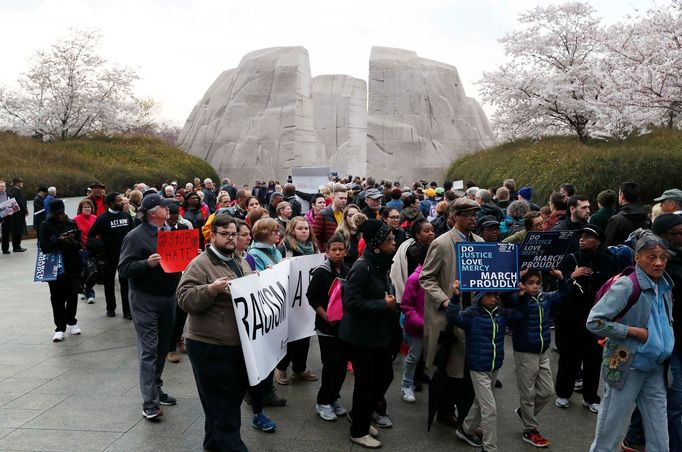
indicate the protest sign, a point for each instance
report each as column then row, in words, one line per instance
column 48, row 266
column 177, row 249
column 301, row 314
column 544, row 250
column 272, row 309
column 309, row 179
column 260, row 304
column 487, row 267
column 9, row 207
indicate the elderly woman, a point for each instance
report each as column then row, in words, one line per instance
column 635, row 317
column 369, row 318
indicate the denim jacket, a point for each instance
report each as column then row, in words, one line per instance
column 620, row 348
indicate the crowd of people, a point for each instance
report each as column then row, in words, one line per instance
column 393, row 249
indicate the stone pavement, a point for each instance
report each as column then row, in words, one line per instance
column 82, row 394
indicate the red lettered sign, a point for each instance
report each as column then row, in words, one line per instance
column 177, row 249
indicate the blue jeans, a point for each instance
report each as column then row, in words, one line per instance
column 647, row 391
column 414, row 354
column 636, row 431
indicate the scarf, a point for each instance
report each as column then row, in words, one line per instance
column 305, row 248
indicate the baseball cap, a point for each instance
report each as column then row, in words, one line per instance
column 674, row 194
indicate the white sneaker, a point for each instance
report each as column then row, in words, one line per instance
column 91, row 300
column 408, row 395
column 381, row 420
column 562, row 403
column 326, row 412
column 58, row 336
column 593, row 407
column 74, row 330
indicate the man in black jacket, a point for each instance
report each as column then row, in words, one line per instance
column 630, row 216
column 15, row 224
column 39, row 214
column 576, row 218
column 106, row 237
column 152, row 301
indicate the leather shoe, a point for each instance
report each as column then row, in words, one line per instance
column 6, row 252
column 19, row 250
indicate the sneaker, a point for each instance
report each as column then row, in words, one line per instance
column 536, row 439
column 305, row 376
column 381, row 420
column 326, row 412
column 151, row 413
column 263, row 423
column 367, row 441
column 339, row 410
column 74, row 330
column 91, row 300
column 627, row 446
column 470, row 439
column 83, row 298
column 58, row 336
column 408, row 395
column 165, row 399
column 272, row 399
column 578, row 386
column 172, row 357
column 281, row 377
column 593, row 407
column 562, row 403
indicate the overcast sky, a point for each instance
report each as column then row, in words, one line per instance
column 179, row 47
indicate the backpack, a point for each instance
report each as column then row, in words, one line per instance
column 335, row 306
column 628, row 272
column 623, row 255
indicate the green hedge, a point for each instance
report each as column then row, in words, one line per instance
column 119, row 162
column 653, row 160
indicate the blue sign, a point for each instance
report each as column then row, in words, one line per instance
column 48, row 266
column 487, row 267
column 545, row 250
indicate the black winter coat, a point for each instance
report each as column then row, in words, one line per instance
column 49, row 241
column 367, row 321
column 628, row 218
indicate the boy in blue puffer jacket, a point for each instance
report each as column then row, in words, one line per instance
column 531, row 338
column 484, row 324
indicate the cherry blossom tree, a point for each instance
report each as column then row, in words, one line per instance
column 549, row 84
column 70, row 91
column 642, row 72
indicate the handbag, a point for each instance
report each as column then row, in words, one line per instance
column 89, row 273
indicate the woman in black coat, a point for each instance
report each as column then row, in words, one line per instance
column 59, row 234
column 369, row 320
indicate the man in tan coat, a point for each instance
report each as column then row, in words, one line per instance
column 212, row 339
column 437, row 278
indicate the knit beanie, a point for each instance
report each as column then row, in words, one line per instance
column 526, row 193
column 374, row 232
column 56, row 206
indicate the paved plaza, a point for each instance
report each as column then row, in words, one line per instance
column 82, row 394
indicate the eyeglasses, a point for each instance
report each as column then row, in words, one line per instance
column 394, row 217
column 227, row 235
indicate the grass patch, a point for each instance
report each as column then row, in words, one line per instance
column 654, row 161
column 119, row 162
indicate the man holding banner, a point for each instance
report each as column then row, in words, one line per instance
column 212, row 339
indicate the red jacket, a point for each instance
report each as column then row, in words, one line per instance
column 324, row 227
